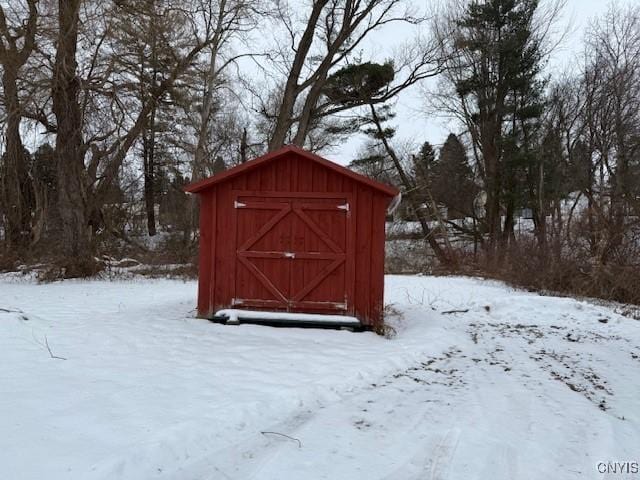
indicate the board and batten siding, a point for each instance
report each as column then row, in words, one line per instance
column 294, row 175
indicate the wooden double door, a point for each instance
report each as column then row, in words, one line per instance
column 294, row 253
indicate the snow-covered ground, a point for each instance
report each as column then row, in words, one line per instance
column 117, row 380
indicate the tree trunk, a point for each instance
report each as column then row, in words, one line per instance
column 16, row 188
column 541, row 214
column 446, row 258
column 307, row 115
column 199, row 157
column 148, row 155
column 290, row 93
column 75, row 243
column 243, row 146
column 508, row 233
column 16, row 184
column 493, row 188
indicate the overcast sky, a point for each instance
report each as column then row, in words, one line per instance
column 414, row 125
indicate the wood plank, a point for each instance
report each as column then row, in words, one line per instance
column 264, row 280
column 205, row 266
column 251, row 205
column 289, row 195
column 268, row 178
column 317, row 230
column 310, row 306
column 258, row 303
column 377, row 259
column 253, row 179
column 316, row 281
column 298, row 255
column 213, row 242
column 264, row 229
column 319, row 179
column 294, row 169
column 350, row 261
column 225, row 238
column 363, row 252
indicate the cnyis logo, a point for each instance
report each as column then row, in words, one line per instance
column 619, row 467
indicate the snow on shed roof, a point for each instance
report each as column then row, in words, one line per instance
column 201, row 185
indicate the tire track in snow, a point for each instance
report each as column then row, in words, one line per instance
column 472, row 412
column 443, row 455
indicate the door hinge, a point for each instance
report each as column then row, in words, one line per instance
column 237, row 204
column 289, row 254
column 344, row 207
column 236, row 301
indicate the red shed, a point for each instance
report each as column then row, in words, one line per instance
column 292, row 232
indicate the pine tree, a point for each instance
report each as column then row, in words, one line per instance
column 496, row 62
column 423, row 164
column 452, row 179
column 219, row 165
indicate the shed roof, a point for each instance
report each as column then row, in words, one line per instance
column 201, row 185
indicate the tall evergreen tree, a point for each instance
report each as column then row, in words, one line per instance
column 423, row 164
column 453, row 183
column 492, row 54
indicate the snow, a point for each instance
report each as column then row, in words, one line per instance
column 235, row 315
column 118, row 380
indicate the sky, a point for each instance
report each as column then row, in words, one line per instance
column 413, row 124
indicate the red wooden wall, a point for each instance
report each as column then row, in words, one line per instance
column 292, row 175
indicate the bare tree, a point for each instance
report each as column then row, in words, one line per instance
column 69, row 150
column 17, row 42
column 83, row 189
column 611, row 90
column 232, row 19
column 327, row 37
